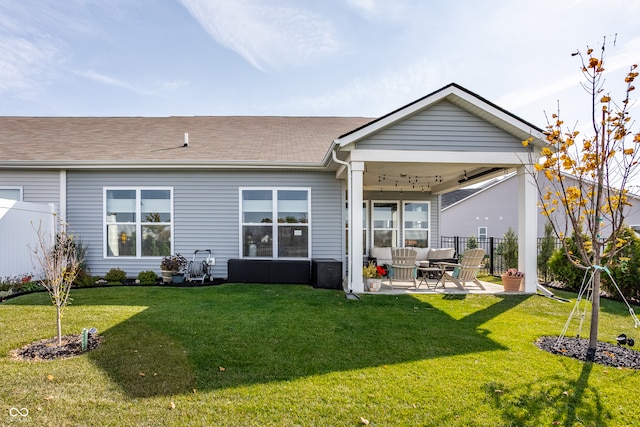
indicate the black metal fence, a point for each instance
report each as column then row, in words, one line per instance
column 494, row 260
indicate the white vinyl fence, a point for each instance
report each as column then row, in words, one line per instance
column 19, row 222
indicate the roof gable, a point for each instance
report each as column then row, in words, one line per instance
column 456, row 95
column 442, row 126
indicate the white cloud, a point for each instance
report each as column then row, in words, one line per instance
column 22, row 64
column 31, row 46
column 266, row 33
column 382, row 10
column 111, row 81
column 155, row 89
column 372, row 96
column 618, row 60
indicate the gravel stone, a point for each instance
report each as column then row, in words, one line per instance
column 607, row 354
column 48, row 349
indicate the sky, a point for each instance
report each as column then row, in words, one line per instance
column 361, row 58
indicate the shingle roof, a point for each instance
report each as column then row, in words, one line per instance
column 455, row 196
column 242, row 139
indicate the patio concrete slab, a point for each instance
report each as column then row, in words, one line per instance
column 450, row 288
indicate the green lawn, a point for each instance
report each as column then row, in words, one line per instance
column 265, row 355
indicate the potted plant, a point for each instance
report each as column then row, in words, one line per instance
column 511, row 280
column 373, row 274
column 172, row 265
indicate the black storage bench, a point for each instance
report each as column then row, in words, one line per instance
column 268, row 271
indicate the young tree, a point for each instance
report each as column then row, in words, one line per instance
column 59, row 265
column 586, row 195
column 509, row 249
column 546, row 248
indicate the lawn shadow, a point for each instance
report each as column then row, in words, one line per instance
column 564, row 400
column 238, row 335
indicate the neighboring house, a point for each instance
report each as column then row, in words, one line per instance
column 490, row 209
column 265, row 188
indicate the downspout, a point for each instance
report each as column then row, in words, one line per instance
column 349, row 207
column 62, row 202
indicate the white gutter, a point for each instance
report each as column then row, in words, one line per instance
column 164, row 164
column 349, row 207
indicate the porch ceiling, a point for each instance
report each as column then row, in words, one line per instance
column 430, row 177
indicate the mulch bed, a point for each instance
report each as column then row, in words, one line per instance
column 48, row 349
column 606, row 353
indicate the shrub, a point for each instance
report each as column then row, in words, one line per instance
column 472, row 242
column 509, row 249
column 562, row 270
column 625, row 269
column 84, row 279
column 31, row 286
column 148, row 277
column 22, row 283
column 115, row 276
column 6, row 284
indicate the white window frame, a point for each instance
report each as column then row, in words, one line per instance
column 19, row 189
column 274, row 224
column 482, row 237
column 398, row 225
column 404, row 216
column 138, row 220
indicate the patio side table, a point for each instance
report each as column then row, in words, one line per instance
column 424, row 275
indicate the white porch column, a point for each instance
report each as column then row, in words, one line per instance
column 528, row 228
column 355, row 224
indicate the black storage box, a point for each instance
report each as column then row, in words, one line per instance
column 326, row 273
column 268, row 271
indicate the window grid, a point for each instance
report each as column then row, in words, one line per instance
column 415, row 221
column 482, row 234
column 138, row 222
column 274, row 222
column 385, row 223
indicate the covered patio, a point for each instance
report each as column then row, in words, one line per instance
column 448, row 289
column 397, row 167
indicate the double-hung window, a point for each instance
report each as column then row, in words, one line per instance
column 385, row 224
column 275, row 222
column 482, row 234
column 416, row 224
column 138, row 222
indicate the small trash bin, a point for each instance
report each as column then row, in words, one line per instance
column 326, row 273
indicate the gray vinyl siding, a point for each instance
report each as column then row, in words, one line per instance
column 42, row 187
column 442, row 127
column 495, row 208
column 206, row 212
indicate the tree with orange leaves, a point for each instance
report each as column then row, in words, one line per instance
column 585, row 194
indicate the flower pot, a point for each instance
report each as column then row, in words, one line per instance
column 511, row 284
column 167, row 276
column 373, row 285
column 177, row 278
